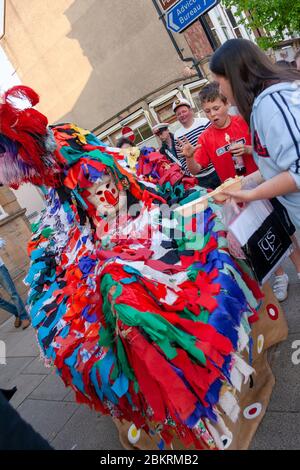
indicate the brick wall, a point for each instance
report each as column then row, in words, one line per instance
column 197, row 40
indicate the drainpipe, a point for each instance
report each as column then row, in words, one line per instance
column 161, row 16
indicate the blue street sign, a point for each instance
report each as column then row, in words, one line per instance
column 187, row 11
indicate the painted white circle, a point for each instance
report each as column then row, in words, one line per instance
column 273, row 311
column 260, row 343
column 133, row 434
column 252, row 411
column 227, row 440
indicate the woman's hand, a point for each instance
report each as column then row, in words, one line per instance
column 244, row 195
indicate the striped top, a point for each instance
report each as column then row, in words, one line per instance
column 192, row 133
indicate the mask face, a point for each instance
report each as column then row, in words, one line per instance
column 106, row 197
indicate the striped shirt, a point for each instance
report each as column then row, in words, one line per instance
column 192, row 133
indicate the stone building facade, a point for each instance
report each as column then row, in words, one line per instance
column 105, row 64
column 15, row 230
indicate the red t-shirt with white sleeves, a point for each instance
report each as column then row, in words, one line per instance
column 215, row 145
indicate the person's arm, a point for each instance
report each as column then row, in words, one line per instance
column 281, row 184
column 253, row 179
column 192, row 165
column 187, row 150
column 200, row 158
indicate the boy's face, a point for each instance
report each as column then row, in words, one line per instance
column 217, row 112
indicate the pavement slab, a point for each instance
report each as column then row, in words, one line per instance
column 47, row 417
column 51, row 388
column 22, row 343
column 286, row 393
column 278, row 431
column 37, row 367
column 13, row 368
column 26, row 384
column 87, row 430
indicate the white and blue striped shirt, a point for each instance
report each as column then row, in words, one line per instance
column 192, row 133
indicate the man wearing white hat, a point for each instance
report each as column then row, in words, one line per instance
column 186, row 138
column 167, row 140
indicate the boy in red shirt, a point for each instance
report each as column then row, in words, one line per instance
column 226, row 143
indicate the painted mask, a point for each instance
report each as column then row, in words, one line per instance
column 106, row 197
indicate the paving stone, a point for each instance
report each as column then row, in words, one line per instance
column 291, row 307
column 4, row 316
column 87, row 430
column 278, row 431
column 70, row 397
column 25, row 384
column 13, row 368
column 52, row 388
column 7, row 327
column 37, row 367
column 22, row 344
column 286, row 393
column 47, row 417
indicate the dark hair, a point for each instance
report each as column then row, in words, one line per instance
column 285, row 64
column 210, row 93
column 124, row 140
column 249, row 71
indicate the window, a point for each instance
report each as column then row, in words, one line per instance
column 165, row 113
column 138, row 121
column 226, row 24
column 217, row 42
column 191, row 91
column 220, row 24
column 3, row 214
column 241, row 29
column 161, row 108
column 233, row 22
column 142, row 133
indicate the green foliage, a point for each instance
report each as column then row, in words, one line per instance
column 274, row 16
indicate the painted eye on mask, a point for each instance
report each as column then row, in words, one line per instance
column 99, row 193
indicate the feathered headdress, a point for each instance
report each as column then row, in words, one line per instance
column 26, row 147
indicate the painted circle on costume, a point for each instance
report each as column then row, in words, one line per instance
column 252, row 411
column 133, row 434
column 260, row 343
column 226, row 440
column 272, row 311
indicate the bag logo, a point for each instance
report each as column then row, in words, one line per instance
column 269, row 244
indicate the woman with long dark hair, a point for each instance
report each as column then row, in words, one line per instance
column 268, row 97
